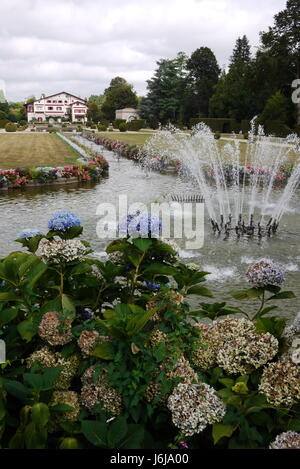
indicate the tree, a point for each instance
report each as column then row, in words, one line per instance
column 241, row 52
column 276, row 109
column 97, row 99
column 203, row 75
column 282, row 42
column 118, row 95
column 93, row 112
column 232, row 95
column 166, row 88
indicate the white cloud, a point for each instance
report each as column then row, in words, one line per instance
column 79, row 46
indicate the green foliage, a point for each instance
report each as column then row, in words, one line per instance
column 123, row 127
column 118, row 95
column 136, row 125
column 135, row 307
column 10, row 127
column 276, row 109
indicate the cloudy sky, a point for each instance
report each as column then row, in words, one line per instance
column 47, row 46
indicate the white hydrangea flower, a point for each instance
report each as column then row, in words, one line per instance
column 59, row 251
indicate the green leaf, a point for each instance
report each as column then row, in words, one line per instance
column 294, row 425
column 73, row 232
column 105, row 351
column 137, row 323
column 198, row 290
column 7, row 315
column 220, row 431
column 40, row 414
column 61, row 408
column 274, row 326
column 9, row 296
column 135, row 437
column 267, row 310
column 27, row 329
column 35, row 437
column 245, row 293
column 143, row 244
column 95, row 432
column 161, row 269
column 16, row 389
column 35, row 274
column 117, row 431
column 228, row 382
column 284, row 295
column 68, row 305
column 69, row 443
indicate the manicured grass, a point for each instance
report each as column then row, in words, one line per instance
column 33, row 149
column 134, row 139
column 142, row 138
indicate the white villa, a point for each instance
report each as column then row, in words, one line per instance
column 57, row 107
column 128, row 114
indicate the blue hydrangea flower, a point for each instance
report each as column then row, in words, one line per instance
column 87, row 314
column 155, row 287
column 265, row 273
column 28, row 234
column 63, row 220
column 141, row 224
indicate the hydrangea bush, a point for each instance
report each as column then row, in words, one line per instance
column 110, row 354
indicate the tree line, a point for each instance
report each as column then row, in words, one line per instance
column 189, row 87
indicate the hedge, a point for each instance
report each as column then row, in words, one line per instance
column 277, row 128
column 136, row 125
column 218, row 125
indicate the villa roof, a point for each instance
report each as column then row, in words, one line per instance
column 126, row 109
column 51, row 96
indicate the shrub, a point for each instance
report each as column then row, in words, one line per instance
column 102, row 128
column 51, row 130
column 218, row 125
column 101, row 354
column 3, row 123
column 10, row 127
column 123, row 127
column 136, row 125
column 116, row 123
column 110, row 129
column 277, row 128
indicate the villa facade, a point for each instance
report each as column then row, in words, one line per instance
column 128, row 114
column 57, row 107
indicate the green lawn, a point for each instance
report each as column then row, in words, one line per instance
column 34, row 149
column 142, row 138
column 134, row 139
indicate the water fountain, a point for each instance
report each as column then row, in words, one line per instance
column 246, row 185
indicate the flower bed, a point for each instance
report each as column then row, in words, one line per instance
column 90, row 168
column 138, row 154
column 110, row 354
column 162, row 163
